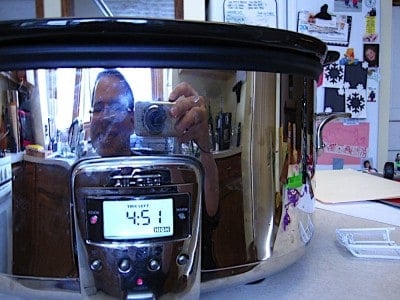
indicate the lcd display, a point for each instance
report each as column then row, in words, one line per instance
column 138, row 219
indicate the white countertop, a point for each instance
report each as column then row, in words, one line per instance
column 15, row 157
column 327, row 270
column 52, row 160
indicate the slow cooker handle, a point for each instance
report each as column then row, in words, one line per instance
column 331, row 57
column 327, row 118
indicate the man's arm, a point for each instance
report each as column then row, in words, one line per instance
column 191, row 111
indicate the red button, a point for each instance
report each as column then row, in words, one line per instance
column 139, row 281
column 93, row 220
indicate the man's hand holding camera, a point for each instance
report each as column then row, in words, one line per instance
column 191, row 114
column 192, row 123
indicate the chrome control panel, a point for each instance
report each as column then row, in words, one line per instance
column 138, row 225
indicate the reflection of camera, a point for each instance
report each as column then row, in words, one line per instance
column 154, row 119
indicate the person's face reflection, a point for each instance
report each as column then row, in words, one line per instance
column 112, row 120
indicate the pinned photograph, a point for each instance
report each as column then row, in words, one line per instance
column 351, row 6
column 331, row 28
column 371, row 55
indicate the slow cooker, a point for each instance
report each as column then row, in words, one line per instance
column 259, row 85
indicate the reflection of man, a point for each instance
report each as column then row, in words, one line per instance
column 112, row 124
column 112, row 119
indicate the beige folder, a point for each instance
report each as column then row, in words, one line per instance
column 347, row 185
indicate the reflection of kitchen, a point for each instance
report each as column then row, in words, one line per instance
column 38, row 200
column 29, row 115
column 223, row 91
column 241, row 130
column 40, row 154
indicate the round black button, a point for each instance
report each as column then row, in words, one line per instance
column 154, row 265
column 124, row 265
column 142, row 253
column 182, row 259
column 96, row 265
column 158, row 250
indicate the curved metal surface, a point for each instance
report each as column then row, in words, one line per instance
column 326, row 118
column 108, row 42
column 114, row 42
column 169, row 266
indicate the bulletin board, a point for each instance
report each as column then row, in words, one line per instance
column 350, row 84
column 349, row 142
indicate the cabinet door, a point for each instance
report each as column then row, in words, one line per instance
column 52, row 223
column 229, row 246
column 23, row 194
column 44, row 239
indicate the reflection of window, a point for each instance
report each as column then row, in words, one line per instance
column 64, row 96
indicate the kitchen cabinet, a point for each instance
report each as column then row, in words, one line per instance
column 20, row 77
column 229, row 243
column 42, row 226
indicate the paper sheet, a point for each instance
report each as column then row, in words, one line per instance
column 370, row 210
column 339, row 186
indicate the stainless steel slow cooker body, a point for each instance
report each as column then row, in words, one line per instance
column 259, row 228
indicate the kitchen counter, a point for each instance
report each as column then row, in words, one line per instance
column 65, row 162
column 226, row 153
column 15, row 157
column 328, row 270
column 55, row 159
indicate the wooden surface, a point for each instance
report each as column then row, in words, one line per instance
column 229, row 247
column 42, row 227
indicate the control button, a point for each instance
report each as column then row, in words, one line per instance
column 154, row 265
column 142, row 253
column 96, row 265
column 157, row 250
column 93, row 219
column 182, row 216
column 139, row 281
column 124, row 265
column 182, row 259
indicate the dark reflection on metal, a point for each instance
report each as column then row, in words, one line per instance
column 324, row 119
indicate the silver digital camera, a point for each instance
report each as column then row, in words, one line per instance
column 154, row 119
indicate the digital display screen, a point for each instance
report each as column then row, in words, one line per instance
column 138, row 219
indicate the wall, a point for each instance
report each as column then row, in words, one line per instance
column 385, row 83
column 17, row 9
column 394, row 114
column 86, row 8
column 357, row 83
column 51, row 9
column 192, row 9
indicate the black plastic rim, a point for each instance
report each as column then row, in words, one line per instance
column 127, row 42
